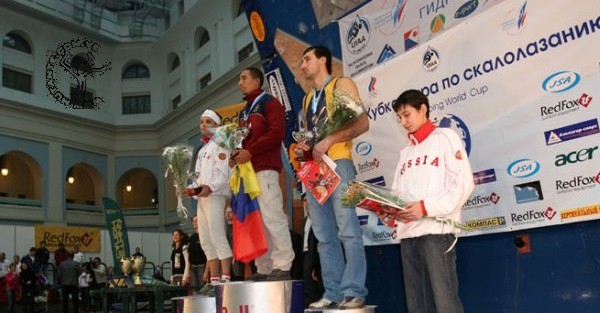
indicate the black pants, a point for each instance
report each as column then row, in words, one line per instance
column 74, row 292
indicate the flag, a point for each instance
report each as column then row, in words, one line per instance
column 119, row 241
column 411, row 38
column 249, row 241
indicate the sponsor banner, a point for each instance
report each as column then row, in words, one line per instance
column 586, row 212
column 117, row 230
column 523, row 102
column 87, row 238
column 384, row 29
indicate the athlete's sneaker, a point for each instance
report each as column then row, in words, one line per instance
column 257, row 277
column 278, row 275
column 352, row 303
column 324, row 303
column 208, row 290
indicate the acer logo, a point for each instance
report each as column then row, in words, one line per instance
column 575, row 156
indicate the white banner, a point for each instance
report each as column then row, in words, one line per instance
column 519, row 83
column 384, row 29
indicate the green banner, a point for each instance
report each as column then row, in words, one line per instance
column 115, row 223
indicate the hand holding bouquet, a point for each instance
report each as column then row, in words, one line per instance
column 388, row 207
column 178, row 159
column 345, row 107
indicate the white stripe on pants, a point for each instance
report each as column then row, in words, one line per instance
column 211, row 227
column 280, row 254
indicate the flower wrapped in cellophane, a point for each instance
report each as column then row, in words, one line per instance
column 381, row 200
column 223, row 136
column 178, row 158
column 345, row 108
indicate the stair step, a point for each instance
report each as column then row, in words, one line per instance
column 366, row 309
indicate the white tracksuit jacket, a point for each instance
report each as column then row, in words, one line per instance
column 213, row 168
column 434, row 169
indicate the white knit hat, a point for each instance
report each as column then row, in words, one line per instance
column 214, row 116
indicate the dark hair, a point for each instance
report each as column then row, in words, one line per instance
column 413, row 98
column 184, row 237
column 321, row 52
column 256, row 73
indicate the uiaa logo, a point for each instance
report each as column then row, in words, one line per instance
column 358, row 35
column 431, row 59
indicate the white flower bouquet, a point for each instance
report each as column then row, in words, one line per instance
column 178, row 158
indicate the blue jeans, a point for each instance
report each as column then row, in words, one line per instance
column 335, row 226
column 430, row 279
column 11, row 300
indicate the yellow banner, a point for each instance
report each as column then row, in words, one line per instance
column 87, row 238
column 231, row 113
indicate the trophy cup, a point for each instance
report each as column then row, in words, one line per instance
column 126, row 266
column 306, row 135
column 138, row 269
column 239, row 134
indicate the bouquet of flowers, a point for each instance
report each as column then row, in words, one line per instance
column 178, row 159
column 223, row 136
column 345, row 107
column 381, row 200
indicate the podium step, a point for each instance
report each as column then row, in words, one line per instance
column 261, row 297
column 196, row 304
column 366, row 309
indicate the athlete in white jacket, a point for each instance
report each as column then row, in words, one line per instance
column 212, row 167
column 434, row 177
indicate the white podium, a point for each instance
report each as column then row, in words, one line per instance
column 261, row 297
column 196, row 304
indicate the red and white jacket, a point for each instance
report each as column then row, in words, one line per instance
column 433, row 169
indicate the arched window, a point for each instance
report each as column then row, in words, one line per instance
column 17, row 42
column 136, row 70
column 173, row 61
column 201, row 37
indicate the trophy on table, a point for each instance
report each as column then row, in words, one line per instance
column 138, row 269
column 126, row 266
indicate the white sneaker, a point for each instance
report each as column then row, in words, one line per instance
column 352, row 303
column 324, row 303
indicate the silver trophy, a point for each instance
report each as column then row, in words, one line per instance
column 239, row 134
column 304, row 135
